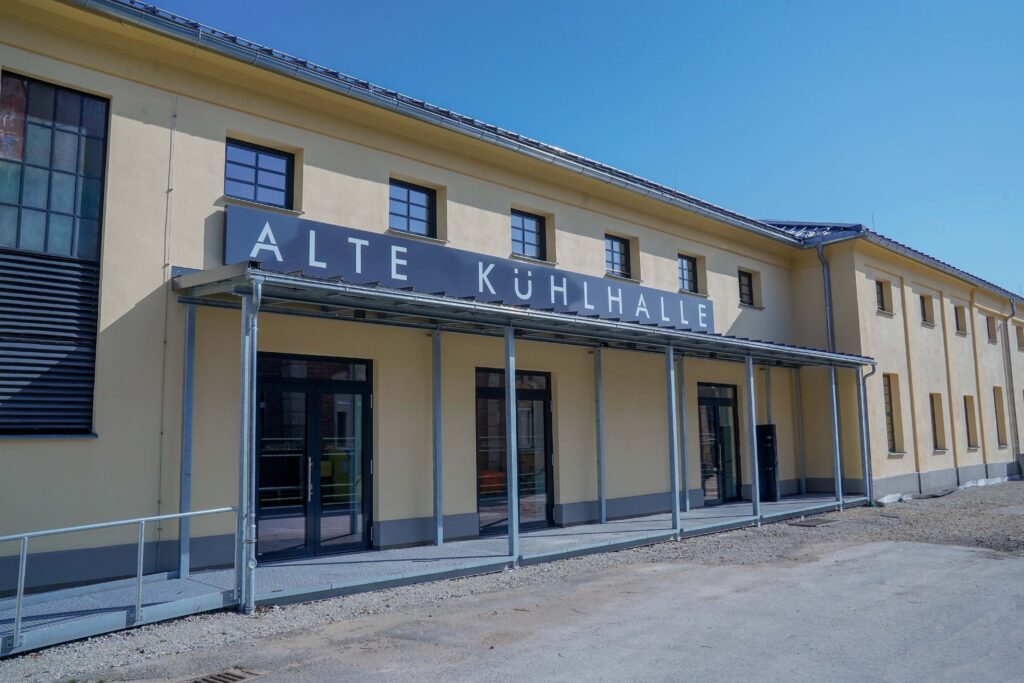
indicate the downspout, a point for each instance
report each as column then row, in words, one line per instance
column 1011, row 392
column 826, row 274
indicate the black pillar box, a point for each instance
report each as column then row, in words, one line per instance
column 768, row 462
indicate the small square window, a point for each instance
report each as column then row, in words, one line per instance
column 688, row 281
column 529, row 235
column 960, row 317
column 412, row 209
column 746, row 280
column 616, row 256
column 259, row 174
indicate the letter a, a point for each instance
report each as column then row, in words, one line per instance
column 267, row 242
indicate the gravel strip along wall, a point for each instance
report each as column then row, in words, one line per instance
column 990, row 517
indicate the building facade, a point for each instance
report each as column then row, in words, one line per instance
column 166, row 190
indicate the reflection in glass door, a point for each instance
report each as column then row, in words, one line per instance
column 283, row 473
column 314, row 456
column 719, row 443
column 533, row 431
column 341, row 471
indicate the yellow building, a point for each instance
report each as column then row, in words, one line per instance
column 224, row 269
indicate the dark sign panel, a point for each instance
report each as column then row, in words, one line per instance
column 291, row 245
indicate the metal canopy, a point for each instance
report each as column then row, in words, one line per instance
column 294, row 294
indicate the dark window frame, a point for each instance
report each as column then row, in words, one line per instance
column 260, row 151
column 880, row 298
column 960, row 319
column 431, row 210
column 890, row 412
column 78, row 218
column 927, row 309
column 746, row 282
column 617, row 260
column 691, row 284
column 520, row 244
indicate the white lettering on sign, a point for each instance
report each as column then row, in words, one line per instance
column 483, row 279
column 268, row 242
column 359, row 252
column 564, row 289
column 313, row 263
column 395, row 262
column 641, row 306
column 586, row 298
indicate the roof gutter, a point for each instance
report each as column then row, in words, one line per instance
column 267, row 60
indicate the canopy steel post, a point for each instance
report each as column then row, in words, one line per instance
column 438, row 471
column 769, row 417
column 247, row 466
column 801, row 452
column 837, row 465
column 602, row 501
column 755, row 481
column 511, row 445
column 673, row 436
column 865, row 445
column 681, row 379
column 187, row 395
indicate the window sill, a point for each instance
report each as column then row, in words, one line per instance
column 423, row 238
column 535, row 261
column 225, row 199
column 961, row 333
column 623, row 278
column 752, row 306
column 939, row 451
column 885, row 313
column 993, row 342
column 702, row 295
column 897, row 454
column 45, row 437
column 925, row 323
column 973, row 449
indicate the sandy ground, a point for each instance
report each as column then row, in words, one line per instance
column 923, row 589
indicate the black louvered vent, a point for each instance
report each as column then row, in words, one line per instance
column 48, row 312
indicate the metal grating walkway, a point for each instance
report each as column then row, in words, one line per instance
column 71, row 614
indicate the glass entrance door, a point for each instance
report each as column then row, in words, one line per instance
column 719, row 443
column 533, row 431
column 313, row 457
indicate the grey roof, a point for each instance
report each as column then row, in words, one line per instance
column 339, row 300
column 811, row 234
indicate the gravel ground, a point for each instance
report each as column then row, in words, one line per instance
column 990, row 517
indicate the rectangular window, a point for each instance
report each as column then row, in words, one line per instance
column 992, row 327
column 880, row 296
column 893, row 428
column 258, row 174
column 997, row 397
column 616, row 256
column 927, row 309
column 1020, row 337
column 746, row 280
column 938, row 423
column 412, row 209
column 52, row 168
column 688, row 274
column 971, row 418
column 960, row 316
column 529, row 235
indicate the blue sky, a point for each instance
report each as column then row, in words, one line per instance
column 906, row 116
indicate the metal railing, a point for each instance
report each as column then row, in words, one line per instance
column 140, row 554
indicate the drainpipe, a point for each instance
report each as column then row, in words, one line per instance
column 826, row 276
column 865, row 435
column 1011, row 392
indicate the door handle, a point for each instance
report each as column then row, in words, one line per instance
column 309, row 482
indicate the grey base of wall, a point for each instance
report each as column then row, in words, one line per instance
column 936, row 480
column 400, row 533
column 59, row 568
column 828, row 485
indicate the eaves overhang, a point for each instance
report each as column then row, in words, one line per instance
column 153, row 18
column 293, row 294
